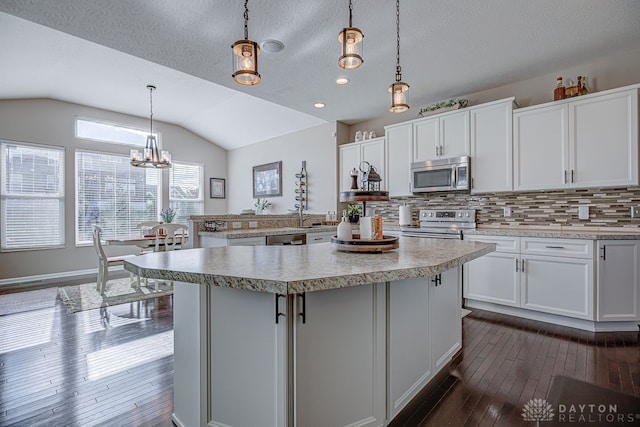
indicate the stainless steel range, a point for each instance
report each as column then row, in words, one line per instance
column 442, row 223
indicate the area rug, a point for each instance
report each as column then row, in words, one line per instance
column 118, row 291
column 573, row 402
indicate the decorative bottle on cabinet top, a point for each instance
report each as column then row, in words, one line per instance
column 558, row 93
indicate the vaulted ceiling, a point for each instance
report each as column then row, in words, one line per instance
column 103, row 53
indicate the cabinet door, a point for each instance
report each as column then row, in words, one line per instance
column 426, row 139
column 491, row 148
column 445, row 303
column 604, row 140
column 454, row 134
column 493, row 278
column 247, row 241
column 558, row 285
column 373, row 151
column 399, row 158
column 410, row 367
column 618, row 280
column 340, row 357
column 349, row 159
column 541, row 149
column 247, row 362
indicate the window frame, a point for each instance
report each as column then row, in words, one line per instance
column 61, row 197
column 201, row 198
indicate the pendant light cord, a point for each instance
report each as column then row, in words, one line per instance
column 151, row 110
column 246, row 19
column 398, row 69
column 350, row 13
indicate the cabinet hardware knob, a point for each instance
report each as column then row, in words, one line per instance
column 523, row 266
column 517, row 264
column 604, row 252
column 278, row 312
column 554, row 247
column 303, row 312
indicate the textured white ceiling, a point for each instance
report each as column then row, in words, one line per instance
column 448, row 48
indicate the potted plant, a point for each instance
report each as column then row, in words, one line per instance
column 354, row 211
column 262, row 205
column 168, row 215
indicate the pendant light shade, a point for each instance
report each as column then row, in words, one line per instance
column 351, row 39
column 399, row 90
column 245, row 56
column 150, row 157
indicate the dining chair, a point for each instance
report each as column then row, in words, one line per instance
column 145, row 228
column 170, row 236
column 104, row 262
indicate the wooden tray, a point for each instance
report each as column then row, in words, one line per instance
column 356, row 244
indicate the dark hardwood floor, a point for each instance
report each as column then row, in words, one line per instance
column 115, row 367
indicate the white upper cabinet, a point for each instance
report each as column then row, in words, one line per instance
column 443, row 136
column 491, row 147
column 581, row 143
column 351, row 155
column 603, row 137
column 399, row 158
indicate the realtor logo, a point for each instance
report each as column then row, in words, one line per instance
column 537, row 410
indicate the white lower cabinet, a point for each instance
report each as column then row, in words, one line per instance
column 618, row 284
column 340, row 359
column 546, row 275
column 320, row 237
column 425, row 332
column 214, row 242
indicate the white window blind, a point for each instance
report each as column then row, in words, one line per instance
column 32, row 196
column 186, row 195
column 114, row 195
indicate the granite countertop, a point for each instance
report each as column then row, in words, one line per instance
column 262, row 232
column 297, row 269
column 559, row 233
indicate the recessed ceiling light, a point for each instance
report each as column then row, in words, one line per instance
column 342, row 80
column 319, row 105
column 272, row 46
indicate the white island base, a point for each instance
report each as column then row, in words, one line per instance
column 350, row 356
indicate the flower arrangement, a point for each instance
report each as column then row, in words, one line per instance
column 262, row 204
column 460, row 103
column 168, row 215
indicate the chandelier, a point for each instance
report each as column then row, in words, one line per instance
column 150, row 158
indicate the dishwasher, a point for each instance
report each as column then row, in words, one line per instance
column 287, row 239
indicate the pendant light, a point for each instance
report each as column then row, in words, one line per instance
column 245, row 56
column 398, row 90
column 351, row 39
column 150, row 157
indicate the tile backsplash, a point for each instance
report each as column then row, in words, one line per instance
column 608, row 207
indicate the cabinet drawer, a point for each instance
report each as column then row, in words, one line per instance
column 557, row 247
column 503, row 243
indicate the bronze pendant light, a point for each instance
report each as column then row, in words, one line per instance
column 245, row 56
column 150, row 157
column 351, row 39
column 399, row 89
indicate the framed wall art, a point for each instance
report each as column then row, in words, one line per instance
column 267, row 180
column 217, row 188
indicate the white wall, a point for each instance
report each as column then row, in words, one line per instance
column 607, row 73
column 52, row 122
column 316, row 145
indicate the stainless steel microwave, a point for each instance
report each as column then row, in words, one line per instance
column 450, row 174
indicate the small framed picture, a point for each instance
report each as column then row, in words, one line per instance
column 216, row 188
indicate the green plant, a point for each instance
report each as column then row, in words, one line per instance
column 262, row 204
column 168, row 215
column 354, row 209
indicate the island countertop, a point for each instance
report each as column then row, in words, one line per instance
column 297, row 269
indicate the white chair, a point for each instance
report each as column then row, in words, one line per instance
column 170, row 237
column 145, row 228
column 104, row 262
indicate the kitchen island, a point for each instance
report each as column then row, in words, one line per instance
column 308, row 335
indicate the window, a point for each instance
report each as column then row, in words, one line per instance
column 107, row 132
column 186, row 194
column 114, row 195
column 32, row 196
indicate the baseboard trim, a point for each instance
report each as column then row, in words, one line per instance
column 41, row 279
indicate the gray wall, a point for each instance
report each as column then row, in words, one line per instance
column 52, row 122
